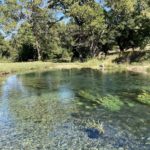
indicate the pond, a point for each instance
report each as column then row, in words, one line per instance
column 74, row 109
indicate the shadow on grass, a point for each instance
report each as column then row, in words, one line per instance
column 133, row 56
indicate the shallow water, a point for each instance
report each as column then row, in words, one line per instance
column 46, row 111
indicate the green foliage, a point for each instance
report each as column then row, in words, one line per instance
column 144, row 98
column 24, row 42
column 129, row 22
column 9, row 15
column 91, row 28
column 4, row 48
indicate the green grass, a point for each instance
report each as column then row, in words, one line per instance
column 9, row 68
column 107, row 63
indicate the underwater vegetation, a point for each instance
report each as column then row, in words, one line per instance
column 45, row 110
column 75, row 109
column 113, row 103
column 144, row 98
column 130, row 104
column 96, row 125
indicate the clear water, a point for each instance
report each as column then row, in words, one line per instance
column 45, row 111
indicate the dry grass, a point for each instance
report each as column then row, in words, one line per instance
column 103, row 64
column 7, row 68
column 10, row 68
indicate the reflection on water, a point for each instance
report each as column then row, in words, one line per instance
column 65, row 93
column 46, row 111
column 12, row 85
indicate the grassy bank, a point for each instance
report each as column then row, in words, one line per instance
column 10, row 68
column 21, row 67
column 107, row 64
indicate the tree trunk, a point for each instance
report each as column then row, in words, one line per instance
column 38, row 51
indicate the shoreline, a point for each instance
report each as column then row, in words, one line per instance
column 25, row 67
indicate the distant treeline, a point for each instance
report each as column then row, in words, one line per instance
column 64, row 30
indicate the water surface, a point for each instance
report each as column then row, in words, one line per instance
column 46, row 111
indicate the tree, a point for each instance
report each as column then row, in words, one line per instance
column 87, row 26
column 24, row 43
column 5, row 49
column 92, row 27
column 40, row 21
column 128, row 19
column 10, row 14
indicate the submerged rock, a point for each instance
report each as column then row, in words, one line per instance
column 71, row 136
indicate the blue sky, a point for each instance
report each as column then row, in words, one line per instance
column 2, row 1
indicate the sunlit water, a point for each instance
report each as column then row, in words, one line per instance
column 44, row 111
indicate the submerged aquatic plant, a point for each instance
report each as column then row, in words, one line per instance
column 96, row 125
column 130, row 104
column 144, row 98
column 113, row 103
column 86, row 95
column 45, row 110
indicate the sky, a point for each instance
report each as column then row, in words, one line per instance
column 1, row 1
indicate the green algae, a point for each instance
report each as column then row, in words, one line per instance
column 144, row 98
column 113, row 103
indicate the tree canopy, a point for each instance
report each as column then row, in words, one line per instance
column 75, row 29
